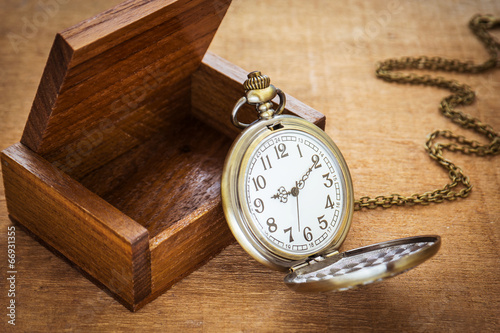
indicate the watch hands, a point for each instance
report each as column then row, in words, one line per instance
column 298, row 214
column 282, row 193
column 300, row 184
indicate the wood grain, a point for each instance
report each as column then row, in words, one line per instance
column 206, row 226
column 94, row 235
column 322, row 52
column 164, row 180
column 118, row 78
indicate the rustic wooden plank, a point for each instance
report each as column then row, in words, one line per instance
column 218, row 84
column 97, row 237
column 322, row 52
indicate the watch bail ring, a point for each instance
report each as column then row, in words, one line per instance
column 243, row 100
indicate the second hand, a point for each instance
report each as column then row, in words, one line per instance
column 295, row 193
column 298, row 214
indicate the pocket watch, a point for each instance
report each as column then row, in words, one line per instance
column 288, row 199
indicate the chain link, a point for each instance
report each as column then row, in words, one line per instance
column 462, row 95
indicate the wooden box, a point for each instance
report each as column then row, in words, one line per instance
column 119, row 165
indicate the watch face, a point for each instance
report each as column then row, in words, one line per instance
column 295, row 193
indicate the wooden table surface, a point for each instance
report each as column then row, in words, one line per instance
column 323, row 53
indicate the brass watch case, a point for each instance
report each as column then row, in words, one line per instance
column 233, row 186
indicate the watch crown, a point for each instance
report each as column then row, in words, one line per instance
column 257, row 80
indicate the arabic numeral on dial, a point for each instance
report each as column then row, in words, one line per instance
column 329, row 203
column 329, row 181
column 259, row 204
column 315, row 159
column 308, row 234
column 271, row 225
column 266, row 165
column 259, row 182
column 300, row 153
column 322, row 223
column 280, row 151
column 289, row 230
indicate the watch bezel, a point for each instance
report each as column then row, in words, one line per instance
column 233, row 191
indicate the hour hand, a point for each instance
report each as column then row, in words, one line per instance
column 282, row 194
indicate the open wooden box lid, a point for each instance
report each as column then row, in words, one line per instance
column 109, row 80
column 121, row 157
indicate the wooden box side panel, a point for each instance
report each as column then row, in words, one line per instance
column 101, row 240
column 216, row 87
column 185, row 246
column 113, row 81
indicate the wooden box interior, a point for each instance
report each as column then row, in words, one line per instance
column 128, row 133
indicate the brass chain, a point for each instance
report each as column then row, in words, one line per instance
column 462, row 95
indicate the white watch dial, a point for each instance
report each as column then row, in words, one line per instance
column 295, row 193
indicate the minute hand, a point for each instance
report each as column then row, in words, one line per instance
column 300, row 184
